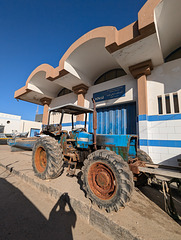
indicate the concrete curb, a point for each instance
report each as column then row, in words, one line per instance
column 90, row 214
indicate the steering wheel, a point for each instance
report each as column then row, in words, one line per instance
column 79, row 130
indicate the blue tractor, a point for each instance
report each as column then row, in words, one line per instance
column 109, row 161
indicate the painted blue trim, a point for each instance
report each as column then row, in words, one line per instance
column 166, row 117
column 75, row 123
column 80, row 122
column 66, row 124
column 142, row 117
column 160, row 143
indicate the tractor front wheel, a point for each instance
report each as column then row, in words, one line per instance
column 107, row 180
column 47, row 158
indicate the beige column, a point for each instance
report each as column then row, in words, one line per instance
column 46, row 102
column 142, row 93
column 80, row 90
column 140, row 72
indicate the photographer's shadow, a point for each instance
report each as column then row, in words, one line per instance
column 62, row 219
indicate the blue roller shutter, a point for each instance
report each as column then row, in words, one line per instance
column 118, row 119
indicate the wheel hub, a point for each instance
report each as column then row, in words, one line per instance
column 40, row 159
column 102, row 181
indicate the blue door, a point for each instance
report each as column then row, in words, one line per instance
column 119, row 119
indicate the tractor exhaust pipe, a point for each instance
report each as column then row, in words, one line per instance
column 94, row 123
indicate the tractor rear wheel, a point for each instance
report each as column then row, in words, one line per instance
column 47, row 158
column 143, row 156
column 107, row 180
column 142, row 178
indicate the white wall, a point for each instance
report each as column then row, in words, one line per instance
column 167, row 132
column 14, row 122
column 164, row 79
column 128, row 81
column 25, row 126
column 131, row 91
column 62, row 100
column 131, row 95
column 59, row 101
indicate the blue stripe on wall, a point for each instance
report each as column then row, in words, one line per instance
column 75, row 123
column 166, row 117
column 142, row 117
column 80, row 122
column 160, row 143
column 66, row 124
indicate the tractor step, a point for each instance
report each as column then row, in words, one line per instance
column 71, row 171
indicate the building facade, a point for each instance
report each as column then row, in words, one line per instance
column 134, row 75
column 12, row 124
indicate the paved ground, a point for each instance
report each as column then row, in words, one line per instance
column 155, row 194
column 25, row 214
column 141, row 219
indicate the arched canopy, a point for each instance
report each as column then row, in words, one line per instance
column 83, row 62
column 38, row 86
column 167, row 20
column 106, row 48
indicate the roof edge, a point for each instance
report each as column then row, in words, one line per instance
column 114, row 40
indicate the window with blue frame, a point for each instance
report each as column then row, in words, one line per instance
column 34, row 132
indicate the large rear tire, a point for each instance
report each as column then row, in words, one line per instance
column 142, row 178
column 143, row 156
column 107, row 180
column 47, row 158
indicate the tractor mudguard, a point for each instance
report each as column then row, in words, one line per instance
column 123, row 145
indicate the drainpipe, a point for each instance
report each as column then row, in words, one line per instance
column 94, row 123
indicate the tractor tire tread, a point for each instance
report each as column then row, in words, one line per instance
column 143, row 156
column 54, row 154
column 142, row 179
column 124, row 179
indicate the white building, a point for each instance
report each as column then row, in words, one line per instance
column 134, row 74
column 10, row 123
column 14, row 124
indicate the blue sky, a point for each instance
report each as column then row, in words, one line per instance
column 33, row 32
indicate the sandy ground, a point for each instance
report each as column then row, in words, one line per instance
column 27, row 214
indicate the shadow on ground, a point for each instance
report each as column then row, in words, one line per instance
column 155, row 194
column 21, row 220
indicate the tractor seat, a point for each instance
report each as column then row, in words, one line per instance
column 81, row 129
